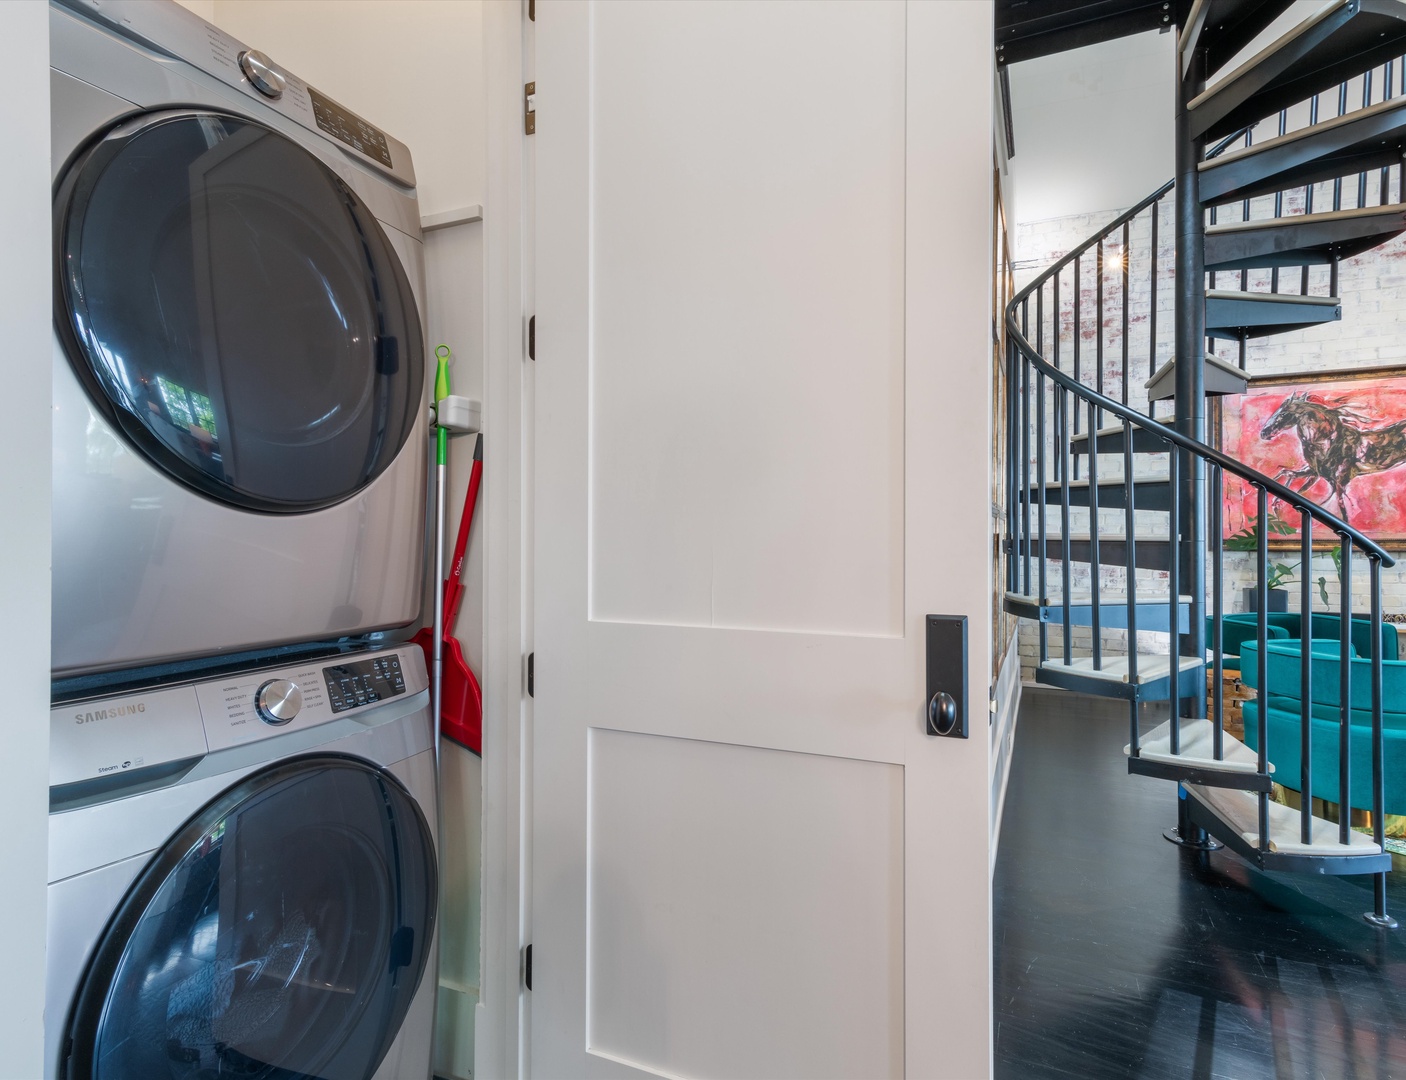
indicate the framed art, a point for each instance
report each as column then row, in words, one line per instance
column 1338, row 437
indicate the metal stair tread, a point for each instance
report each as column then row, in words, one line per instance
column 1278, row 45
column 1106, row 598
column 1275, row 142
column 1272, row 298
column 1079, row 444
column 1257, row 314
column 1255, row 224
column 1334, row 44
column 1115, row 668
column 1221, row 378
column 1197, row 748
column 1222, row 31
column 1240, row 811
column 1104, row 481
column 1363, row 139
column 1299, row 240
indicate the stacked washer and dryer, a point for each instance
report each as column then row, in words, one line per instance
column 242, row 867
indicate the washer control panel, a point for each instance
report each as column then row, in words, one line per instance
column 255, row 705
column 362, row 682
column 95, row 739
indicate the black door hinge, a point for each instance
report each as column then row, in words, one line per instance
column 531, row 673
column 532, row 338
column 527, row 967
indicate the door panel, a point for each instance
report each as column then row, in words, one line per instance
column 762, row 457
column 719, row 382
column 702, row 907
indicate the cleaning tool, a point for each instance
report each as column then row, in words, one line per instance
column 458, row 701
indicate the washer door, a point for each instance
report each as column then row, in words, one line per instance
column 235, row 310
column 281, row 934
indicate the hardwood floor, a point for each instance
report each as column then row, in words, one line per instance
column 1118, row 954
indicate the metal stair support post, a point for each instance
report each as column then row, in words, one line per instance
column 1190, row 403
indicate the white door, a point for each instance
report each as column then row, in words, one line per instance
column 762, row 456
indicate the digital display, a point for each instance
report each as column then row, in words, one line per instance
column 351, row 129
column 363, row 682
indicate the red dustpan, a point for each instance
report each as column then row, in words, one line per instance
column 460, row 700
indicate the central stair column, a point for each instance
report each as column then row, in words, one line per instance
column 1190, row 354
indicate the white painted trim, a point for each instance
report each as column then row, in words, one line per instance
column 26, row 442
column 447, row 218
column 506, row 708
column 1008, row 693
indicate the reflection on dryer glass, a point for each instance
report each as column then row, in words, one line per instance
column 237, row 310
column 286, row 941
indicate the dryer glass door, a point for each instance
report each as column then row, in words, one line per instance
column 236, row 310
column 281, row 934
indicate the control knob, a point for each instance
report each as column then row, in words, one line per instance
column 261, row 73
column 278, row 701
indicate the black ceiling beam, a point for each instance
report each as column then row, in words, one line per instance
column 1026, row 29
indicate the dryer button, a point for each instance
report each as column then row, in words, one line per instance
column 261, row 73
column 278, row 701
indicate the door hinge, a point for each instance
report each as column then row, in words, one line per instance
column 531, row 673
column 532, row 10
column 529, row 107
column 532, row 338
column 527, row 967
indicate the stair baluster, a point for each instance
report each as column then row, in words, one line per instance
column 1041, row 472
column 1025, row 455
column 1305, row 681
column 1152, row 308
column 1345, row 694
column 1095, row 563
column 1129, row 517
column 1378, row 914
column 1067, row 405
column 1174, row 591
column 1217, row 612
column 1262, row 638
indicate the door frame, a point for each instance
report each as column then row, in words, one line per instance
column 500, row 1037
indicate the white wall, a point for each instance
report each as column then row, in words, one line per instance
column 1093, row 126
column 24, row 538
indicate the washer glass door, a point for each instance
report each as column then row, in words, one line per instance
column 235, row 310
column 281, row 934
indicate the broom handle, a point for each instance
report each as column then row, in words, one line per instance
column 441, row 391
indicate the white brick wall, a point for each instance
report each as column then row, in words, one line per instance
column 1372, row 287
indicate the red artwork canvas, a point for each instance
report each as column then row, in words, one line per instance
column 1342, row 443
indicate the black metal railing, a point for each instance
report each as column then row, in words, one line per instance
column 1041, row 384
column 1377, row 86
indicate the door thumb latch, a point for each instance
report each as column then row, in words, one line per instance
column 947, row 676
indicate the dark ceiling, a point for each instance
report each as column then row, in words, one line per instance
column 1026, row 29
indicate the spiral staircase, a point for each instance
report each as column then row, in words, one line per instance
column 1287, row 163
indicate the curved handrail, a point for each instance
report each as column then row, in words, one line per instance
column 1209, row 453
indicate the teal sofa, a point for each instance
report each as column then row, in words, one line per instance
column 1284, row 718
column 1242, row 627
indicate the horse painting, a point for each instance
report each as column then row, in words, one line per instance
column 1338, row 445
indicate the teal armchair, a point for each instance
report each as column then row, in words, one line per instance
column 1286, row 626
column 1284, row 720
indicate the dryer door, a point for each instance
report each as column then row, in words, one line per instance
column 281, row 934
column 235, row 310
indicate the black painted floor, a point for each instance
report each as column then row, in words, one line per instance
column 1118, row 954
